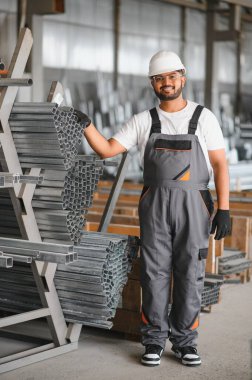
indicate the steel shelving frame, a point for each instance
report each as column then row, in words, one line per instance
column 64, row 336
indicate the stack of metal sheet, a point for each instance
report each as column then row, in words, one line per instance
column 88, row 289
column 45, row 135
column 233, row 261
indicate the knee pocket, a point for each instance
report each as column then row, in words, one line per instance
column 201, row 264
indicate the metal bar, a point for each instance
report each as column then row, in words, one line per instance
column 4, row 82
column 32, row 123
column 33, row 110
column 20, row 259
column 17, row 178
column 114, row 194
column 35, row 355
column 209, row 60
column 19, row 251
column 32, row 117
column 35, row 104
column 6, row 262
column 73, row 332
column 49, row 298
column 60, row 248
column 24, row 317
column 117, row 4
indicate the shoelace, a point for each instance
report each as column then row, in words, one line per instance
column 188, row 350
column 153, row 349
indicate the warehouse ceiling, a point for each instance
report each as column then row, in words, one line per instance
column 202, row 4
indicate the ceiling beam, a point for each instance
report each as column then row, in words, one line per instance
column 247, row 17
column 187, row 3
column 242, row 3
column 202, row 6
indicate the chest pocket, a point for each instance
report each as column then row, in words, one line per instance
column 171, row 159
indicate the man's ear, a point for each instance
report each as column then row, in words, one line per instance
column 183, row 82
column 152, row 83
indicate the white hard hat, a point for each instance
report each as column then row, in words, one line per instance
column 164, row 62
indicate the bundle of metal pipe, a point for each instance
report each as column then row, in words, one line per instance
column 61, row 202
column 88, row 290
column 26, row 251
column 18, row 290
column 45, row 134
column 92, row 290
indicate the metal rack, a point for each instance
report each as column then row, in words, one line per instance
column 64, row 336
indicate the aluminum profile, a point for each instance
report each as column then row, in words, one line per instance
column 23, row 251
column 5, row 261
column 47, row 136
column 8, row 179
column 89, row 289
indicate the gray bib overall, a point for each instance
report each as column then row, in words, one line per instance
column 174, row 213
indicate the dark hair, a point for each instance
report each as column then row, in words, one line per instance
column 182, row 71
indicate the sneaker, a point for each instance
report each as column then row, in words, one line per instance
column 152, row 355
column 188, row 355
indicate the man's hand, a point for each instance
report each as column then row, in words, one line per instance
column 83, row 119
column 222, row 222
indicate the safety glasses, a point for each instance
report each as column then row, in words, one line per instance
column 162, row 78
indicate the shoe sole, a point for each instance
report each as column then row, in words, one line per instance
column 184, row 362
column 195, row 364
column 150, row 364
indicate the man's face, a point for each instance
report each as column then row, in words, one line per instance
column 168, row 86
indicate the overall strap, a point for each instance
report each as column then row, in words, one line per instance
column 156, row 125
column 193, row 123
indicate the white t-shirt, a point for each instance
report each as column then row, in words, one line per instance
column 137, row 130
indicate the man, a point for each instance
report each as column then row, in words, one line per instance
column 180, row 143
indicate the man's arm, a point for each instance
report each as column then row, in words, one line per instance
column 221, row 177
column 103, row 147
column 221, row 223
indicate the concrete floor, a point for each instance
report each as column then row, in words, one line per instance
column 225, row 345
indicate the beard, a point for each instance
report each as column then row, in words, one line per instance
column 166, row 97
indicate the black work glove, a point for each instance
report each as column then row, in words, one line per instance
column 83, row 119
column 222, row 222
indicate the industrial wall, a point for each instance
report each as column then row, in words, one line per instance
column 77, row 48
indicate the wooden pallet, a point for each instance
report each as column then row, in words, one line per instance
column 242, row 277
